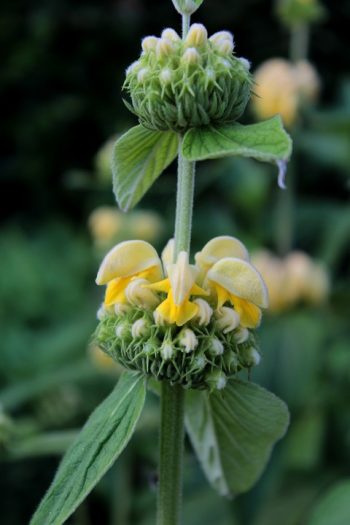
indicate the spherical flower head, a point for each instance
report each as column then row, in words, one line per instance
column 184, row 323
column 180, row 84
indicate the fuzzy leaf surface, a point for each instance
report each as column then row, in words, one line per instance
column 266, row 141
column 140, row 156
column 102, row 439
column 233, row 432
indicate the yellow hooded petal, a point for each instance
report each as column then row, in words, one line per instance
column 218, row 248
column 182, row 277
column 115, row 291
column 179, row 314
column 250, row 315
column 241, row 279
column 129, row 258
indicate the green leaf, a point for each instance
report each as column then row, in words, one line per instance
column 266, row 141
column 334, row 507
column 102, row 439
column 140, row 156
column 233, row 432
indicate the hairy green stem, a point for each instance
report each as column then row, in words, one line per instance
column 184, row 203
column 171, row 454
column 185, row 24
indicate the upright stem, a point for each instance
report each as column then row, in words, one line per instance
column 299, row 42
column 171, row 454
column 173, row 397
column 185, row 24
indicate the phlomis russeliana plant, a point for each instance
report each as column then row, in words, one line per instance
column 184, row 327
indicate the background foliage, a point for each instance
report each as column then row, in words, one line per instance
column 62, row 67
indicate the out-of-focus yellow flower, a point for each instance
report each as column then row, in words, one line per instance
column 125, row 262
column 180, row 285
column 101, row 360
column 103, row 160
column 146, row 225
column 308, row 81
column 292, row 280
column 237, row 281
column 281, row 87
column 105, row 224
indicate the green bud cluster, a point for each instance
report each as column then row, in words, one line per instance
column 180, row 84
column 194, row 356
column 296, row 12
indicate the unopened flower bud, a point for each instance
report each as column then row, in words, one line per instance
column 222, row 36
column 122, row 330
column 251, row 356
column 241, row 335
column 197, row 35
column 245, row 63
column 158, row 319
column 224, row 47
column 170, row 34
column 166, row 76
column 191, row 56
column 142, row 74
column 216, row 380
column 216, row 347
column 205, row 312
column 164, row 47
column 210, row 74
column 132, row 67
column 227, row 319
column 167, row 350
column 225, row 63
column 101, row 313
column 188, row 340
column 139, row 328
column 200, row 362
column 121, row 309
column 138, row 294
column 149, row 43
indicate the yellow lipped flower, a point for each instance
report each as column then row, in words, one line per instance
column 237, row 281
column 180, row 286
column 126, row 261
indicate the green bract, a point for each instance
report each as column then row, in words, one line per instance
column 179, row 84
column 160, row 351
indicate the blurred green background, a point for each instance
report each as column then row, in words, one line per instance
column 62, row 68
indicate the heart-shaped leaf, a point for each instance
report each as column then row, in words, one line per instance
column 266, row 141
column 140, row 156
column 102, row 439
column 233, row 432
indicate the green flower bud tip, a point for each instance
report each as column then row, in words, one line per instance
column 216, row 347
column 188, row 340
column 122, row 330
column 216, row 380
column 167, row 351
column 251, row 356
column 149, row 43
column 205, row 312
column 101, row 313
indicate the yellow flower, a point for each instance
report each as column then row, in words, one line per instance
column 277, row 91
column 105, row 224
column 237, row 281
column 179, row 285
column 127, row 261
